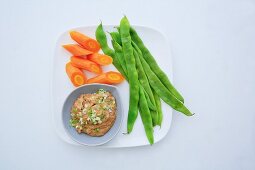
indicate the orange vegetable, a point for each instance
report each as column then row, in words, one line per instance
column 85, row 64
column 76, row 76
column 76, row 50
column 100, row 59
column 85, row 41
column 110, row 77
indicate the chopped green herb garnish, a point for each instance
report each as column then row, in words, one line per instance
column 106, row 107
column 100, row 91
column 73, row 122
column 90, row 112
column 74, row 110
column 97, row 129
column 101, row 100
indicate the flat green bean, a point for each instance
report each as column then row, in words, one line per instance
column 119, row 55
column 159, row 109
column 154, row 66
column 116, row 36
column 150, row 104
column 132, row 73
column 141, row 75
column 145, row 83
column 146, row 117
column 162, row 91
column 101, row 38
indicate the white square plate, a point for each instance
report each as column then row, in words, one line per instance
column 61, row 86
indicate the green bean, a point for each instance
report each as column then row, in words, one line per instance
column 132, row 73
column 150, row 104
column 116, row 36
column 119, row 55
column 162, row 91
column 101, row 38
column 146, row 117
column 159, row 109
column 141, row 75
column 154, row 66
column 148, row 89
column 142, row 78
column 145, row 83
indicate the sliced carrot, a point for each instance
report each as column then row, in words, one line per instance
column 85, row 64
column 110, row 77
column 100, row 59
column 76, row 76
column 85, row 41
column 76, row 50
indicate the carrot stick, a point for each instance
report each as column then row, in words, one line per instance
column 85, row 41
column 110, row 77
column 76, row 50
column 100, row 59
column 86, row 64
column 76, row 76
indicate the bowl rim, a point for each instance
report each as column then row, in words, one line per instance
column 121, row 112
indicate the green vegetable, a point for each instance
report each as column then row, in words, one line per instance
column 97, row 129
column 132, row 73
column 142, row 79
column 101, row 38
column 145, row 83
column 119, row 56
column 154, row 66
column 150, row 104
column 146, row 117
column 159, row 109
column 162, row 91
column 74, row 110
column 116, row 37
column 141, row 75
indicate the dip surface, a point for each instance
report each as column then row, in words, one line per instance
column 94, row 114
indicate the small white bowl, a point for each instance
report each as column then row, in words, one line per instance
column 84, row 138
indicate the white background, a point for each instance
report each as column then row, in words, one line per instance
column 213, row 45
